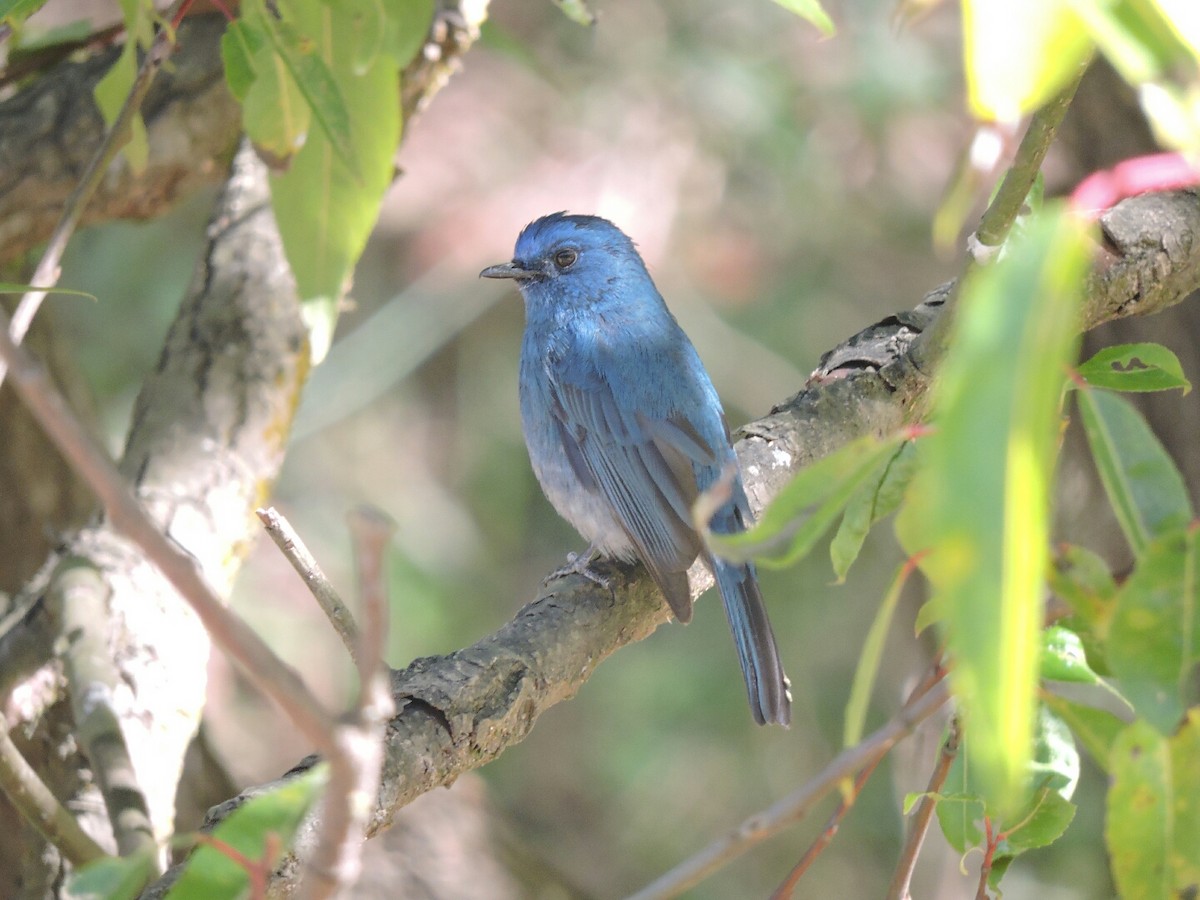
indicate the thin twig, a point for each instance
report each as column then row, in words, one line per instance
column 79, row 595
column 919, row 827
column 92, row 464
column 997, row 220
column 319, row 585
column 796, row 805
column 825, row 838
column 39, row 807
column 48, row 270
column 354, row 770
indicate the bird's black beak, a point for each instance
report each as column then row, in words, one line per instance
column 508, row 270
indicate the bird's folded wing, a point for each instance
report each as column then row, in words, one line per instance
column 644, row 468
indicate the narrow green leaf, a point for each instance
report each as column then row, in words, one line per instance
column 240, row 44
column 784, row 535
column 1145, row 488
column 981, row 503
column 812, row 12
column 1096, row 729
column 1154, row 641
column 9, row 287
column 1135, row 367
column 314, row 78
column 876, row 499
column 870, row 657
column 1013, row 69
column 110, row 93
column 112, row 878
column 325, row 212
column 210, row 873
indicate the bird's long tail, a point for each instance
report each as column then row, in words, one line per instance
column 766, row 683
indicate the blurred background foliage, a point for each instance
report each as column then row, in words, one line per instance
column 781, row 188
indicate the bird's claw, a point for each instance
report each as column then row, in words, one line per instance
column 581, row 564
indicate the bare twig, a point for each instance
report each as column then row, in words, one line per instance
column 39, row 807
column 79, row 595
column 93, row 465
column 354, row 769
column 825, row 838
column 46, row 274
column 919, row 827
column 319, row 585
column 796, row 805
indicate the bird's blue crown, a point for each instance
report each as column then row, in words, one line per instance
column 539, row 236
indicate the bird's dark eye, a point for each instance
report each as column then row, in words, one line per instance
column 565, row 258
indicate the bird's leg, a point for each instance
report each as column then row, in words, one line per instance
column 580, row 564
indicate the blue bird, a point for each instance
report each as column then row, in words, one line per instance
column 625, row 430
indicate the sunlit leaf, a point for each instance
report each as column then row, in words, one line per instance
column 14, row 12
column 1145, row 488
column 274, row 111
column 805, row 508
column 981, row 503
column 269, row 818
column 812, row 12
column 240, row 44
column 1154, row 641
column 1063, row 658
column 1019, row 54
column 1135, row 367
column 110, row 93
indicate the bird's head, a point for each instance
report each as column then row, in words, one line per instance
column 560, row 256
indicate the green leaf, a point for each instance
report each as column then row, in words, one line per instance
column 406, row 28
column 1063, row 658
column 577, row 11
column 1135, row 367
column 9, row 287
column 1083, row 579
column 868, row 660
column 325, row 212
column 275, row 113
column 1019, row 54
column 240, row 45
column 15, row 12
column 1145, row 488
column 314, row 78
column 110, row 93
column 1153, row 817
column 811, row 11
column 876, row 499
column 276, row 814
column 784, row 535
column 1096, row 729
column 1154, row 640
column 1044, row 810
column 112, row 878
column 981, row 502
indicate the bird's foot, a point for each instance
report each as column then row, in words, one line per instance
column 580, row 564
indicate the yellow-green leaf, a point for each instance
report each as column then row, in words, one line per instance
column 981, row 502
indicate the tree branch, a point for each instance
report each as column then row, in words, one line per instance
column 460, row 711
